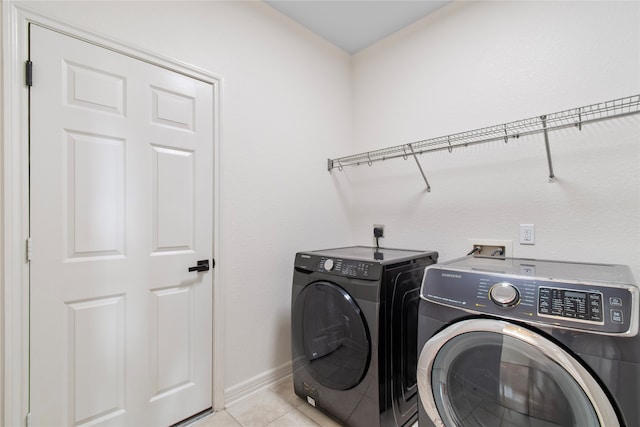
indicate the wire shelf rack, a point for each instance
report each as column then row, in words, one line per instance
column 574, row 117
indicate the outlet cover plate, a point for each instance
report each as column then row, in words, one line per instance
column 527, row 234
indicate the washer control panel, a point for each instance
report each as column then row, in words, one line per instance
column 599, row 307
column 572, row 304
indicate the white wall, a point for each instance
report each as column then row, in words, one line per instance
column 290, row 100
column 286, row 107
column 477, row 64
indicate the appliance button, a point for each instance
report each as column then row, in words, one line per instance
column 504, row 294
column 616, row 316
column 615, row 301
column 328, row 264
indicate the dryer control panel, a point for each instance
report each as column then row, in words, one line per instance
column 604, row 308
column 344, row 267
column 357, row 269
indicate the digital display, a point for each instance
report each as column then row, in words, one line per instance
column 570, row 294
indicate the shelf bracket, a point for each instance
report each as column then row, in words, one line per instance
column 331, row 164
column 579, row 118
column 420, row 167
column 552, row 177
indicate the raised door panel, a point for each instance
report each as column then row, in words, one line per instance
column 173, row 199
column 172, row 340
column 173, row 109
column 95, row 195
column 95, row 89
column 96, row 359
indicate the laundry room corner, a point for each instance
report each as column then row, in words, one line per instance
column 474, row 65
column 280, row 103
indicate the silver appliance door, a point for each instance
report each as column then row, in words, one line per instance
column 484, row 372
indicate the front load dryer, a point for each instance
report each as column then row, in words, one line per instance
column 523, row 342
column 354, row 332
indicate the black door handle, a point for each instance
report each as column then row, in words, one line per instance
column 203, row 265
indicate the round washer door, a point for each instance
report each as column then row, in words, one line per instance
column 335, row 336
column 485, row 372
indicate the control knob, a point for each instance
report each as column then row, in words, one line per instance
column 504, row 294
column 328, row 264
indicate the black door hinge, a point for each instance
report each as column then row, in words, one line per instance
column 29, row 73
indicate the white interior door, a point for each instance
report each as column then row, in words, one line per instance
column 121, row 200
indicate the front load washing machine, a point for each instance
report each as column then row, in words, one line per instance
column 354, row 315
column 522, row 342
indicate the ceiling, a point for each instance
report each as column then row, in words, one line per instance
column 353, row 25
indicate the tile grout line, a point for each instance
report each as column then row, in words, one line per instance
column 233, row 418
column 296, row 411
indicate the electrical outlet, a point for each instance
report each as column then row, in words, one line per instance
column 527, row 234
column 378, row 230
column 492, row 247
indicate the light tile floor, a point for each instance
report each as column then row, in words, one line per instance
column 276, row 406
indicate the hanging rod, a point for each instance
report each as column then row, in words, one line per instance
column 575, row 117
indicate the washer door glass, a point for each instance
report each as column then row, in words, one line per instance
column 484, row 378
column 335, row 336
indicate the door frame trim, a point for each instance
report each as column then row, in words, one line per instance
column 14, row 194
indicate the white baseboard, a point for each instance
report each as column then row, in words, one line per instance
column 255, row 384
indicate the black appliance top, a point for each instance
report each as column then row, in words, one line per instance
column 373, row 254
